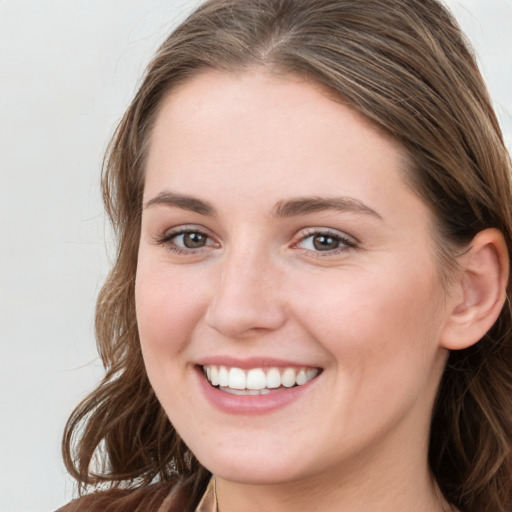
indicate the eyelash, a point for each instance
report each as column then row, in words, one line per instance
column 167, row 240
column 345, row 243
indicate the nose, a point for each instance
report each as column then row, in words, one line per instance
column 247, row 300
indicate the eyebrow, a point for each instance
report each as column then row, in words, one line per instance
column 286, row 208
column 306, row 205
column 182, row 201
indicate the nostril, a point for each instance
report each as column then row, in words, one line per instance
column 238, row 316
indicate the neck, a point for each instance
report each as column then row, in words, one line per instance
column 302, row 498
column 321, row 496
column 381, row 482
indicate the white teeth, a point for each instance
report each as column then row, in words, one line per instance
column 214, row 375
column 288, row 378
column 236, row 378
column 301, row 378
column 223, row 376
column 244, row 392
column 257, row 381
column 273, row 378
column 311, row 373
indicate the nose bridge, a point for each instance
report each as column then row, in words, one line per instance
column 246, row 297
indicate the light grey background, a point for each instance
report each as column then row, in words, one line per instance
column 67, row 71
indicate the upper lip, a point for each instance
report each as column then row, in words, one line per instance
column 252, row 362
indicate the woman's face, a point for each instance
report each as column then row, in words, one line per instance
column 279, row 246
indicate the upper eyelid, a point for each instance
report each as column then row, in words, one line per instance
column 186, row 228
column 346, row 242
column 167, row 240
column 302, row 234
column 169, row 234
column 307, row 232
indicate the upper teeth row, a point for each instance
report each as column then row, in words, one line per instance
column 258, row 378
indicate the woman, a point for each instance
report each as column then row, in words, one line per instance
column 309, row 300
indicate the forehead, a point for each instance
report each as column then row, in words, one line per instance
column 255, row 116
column 259, row 97
column 259, row 139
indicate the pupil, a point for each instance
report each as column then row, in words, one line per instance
column 324, row 243
column 193, row 240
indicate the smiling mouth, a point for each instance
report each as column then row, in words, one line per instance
column 257, row 381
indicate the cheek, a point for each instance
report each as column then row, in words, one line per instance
column 374, row 320
column 168, row 306
column 383, row 344
column 167, row 313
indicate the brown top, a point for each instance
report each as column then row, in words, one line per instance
column 208, row 502
column 170, row 503
column 123, row 499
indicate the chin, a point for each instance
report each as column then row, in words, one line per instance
column 258, row 463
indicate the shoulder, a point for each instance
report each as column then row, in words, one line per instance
column 143, row 499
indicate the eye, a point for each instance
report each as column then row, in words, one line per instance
column 190, row 240
column 325, row 241
column 186, row 240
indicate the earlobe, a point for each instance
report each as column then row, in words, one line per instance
column 481, row 290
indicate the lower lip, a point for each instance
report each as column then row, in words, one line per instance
column 251, row 404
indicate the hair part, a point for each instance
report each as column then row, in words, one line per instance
column 405, row 66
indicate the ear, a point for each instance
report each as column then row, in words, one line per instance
column 479, row 291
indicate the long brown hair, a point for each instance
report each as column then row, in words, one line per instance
column 405, row 65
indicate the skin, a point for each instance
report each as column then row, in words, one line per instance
column 371, row 313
